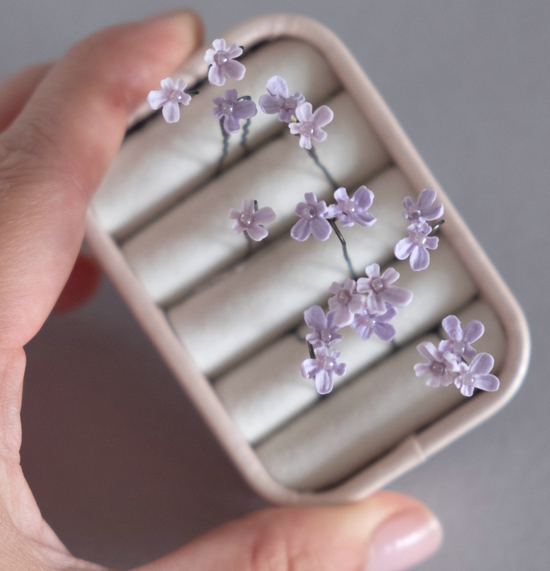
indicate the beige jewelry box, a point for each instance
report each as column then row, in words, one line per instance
column 229, row 323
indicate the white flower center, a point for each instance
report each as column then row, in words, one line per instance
column 418, row 238
column 221, row 58
column 459, row 347
column 368, row 322
column 246, row 219
column 414, row 213
column 326, row 363
column 437, row 368
column 344, row 297
column 307, row 129
column 227, row 108
column 175, row 96
column 326, row 336
column 311, row 212
column 377, row 285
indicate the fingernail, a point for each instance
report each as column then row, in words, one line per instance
column 403, row 540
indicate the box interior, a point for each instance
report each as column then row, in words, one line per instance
column 238, row 310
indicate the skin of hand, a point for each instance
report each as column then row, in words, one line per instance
column 61, row 125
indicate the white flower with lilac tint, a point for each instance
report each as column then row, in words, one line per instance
column 381, row 291
column 416, row 246
column 354, row 209
column 252, row 222
column 169, row 99
column 324, row 332
column 346, row 302
column 231, row 110
column 459, row 342
column 279, row 101
column 222, row 62
column 422, row 209
column 309, row 126
column 313, row 219
column 439, row 366
column 322, row 369
column 368, row 323
column 476, row 375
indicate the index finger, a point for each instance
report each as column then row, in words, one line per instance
column 56, row 152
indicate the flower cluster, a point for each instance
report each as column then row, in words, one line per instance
column 251, row 221
column 348, row 306
column 447, row 363
column 416, row 246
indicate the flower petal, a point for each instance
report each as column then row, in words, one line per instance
column 322, row 116
column 157, row 99
column 171, row 112
column 403, row 249
column 321, row 228
column 216, row 76
column 364, row 218
column 420, row 259
column 389, row 276
column 301, row 230
column 451, row 326
column 256, row 232
column 487, row 382
column 482, row 364
column 340, row 195
column 363, row 197
column 230, row 124
column 245, row 109
column 315, row 317
column 426, row 198
column 319, row 135
column 323, row 382
column 264, row 216
column 428, row 350
column 234, row 51
column 473, row 331
column 276, row 85
column 385, row 331
column 304, row 112
column 397, row 296
column 234, row 69
column 309, row 368
column 433, row 212
column 269, row 104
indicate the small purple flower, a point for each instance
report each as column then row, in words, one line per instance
column 422, row 209
column 169, row 99
column 232, row 110
column 416, row 246
column 251, row 222
column 459, row 339
column 313, row 216
column 368, row 323
column 309, row 126
column 476, row 375
column 439, row 365
column 279, row 101
column 324, row 331
column 222, row 64
column 381, row 291
column 323, row 367
column 346, row 302
column 351, row 210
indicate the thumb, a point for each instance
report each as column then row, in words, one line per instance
column 386, row 532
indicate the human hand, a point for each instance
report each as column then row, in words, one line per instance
column 61, row 126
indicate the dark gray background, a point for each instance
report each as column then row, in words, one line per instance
column 120, row 463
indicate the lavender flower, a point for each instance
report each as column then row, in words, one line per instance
column 169, row 98
column 439, row 365
column 368, row 323
column 323, row 329
column 222, row 64
column 381, row 291
column 476, row 375
column 416, row 246
column 346, row 302
column 232, row 110
column 279, row 101
column 251, row 222
column 354, row 209
column 422, row 209
column 309, row 126
column 459, row 339
column 313, row 216
column 322, row 368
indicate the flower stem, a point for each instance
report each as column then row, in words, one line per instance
column 332, row 222
column 436, row 227
column 313, row 154
column 311, row 350
column 225, row 136
column 245, row 126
